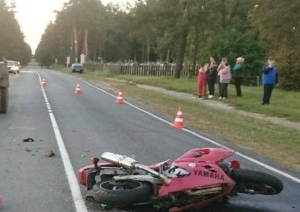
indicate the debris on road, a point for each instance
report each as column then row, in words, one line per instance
column 49, row 153
column 28, row 140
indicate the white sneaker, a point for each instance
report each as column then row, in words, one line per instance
column 224, row 98
column 210, row 96
column 220, row 98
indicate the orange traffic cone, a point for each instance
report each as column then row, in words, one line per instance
column 77, row 90
column 178, row 123
column 120, row 99
column 43, row 83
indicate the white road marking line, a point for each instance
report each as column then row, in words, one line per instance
column 297, row 180
column 72, row 179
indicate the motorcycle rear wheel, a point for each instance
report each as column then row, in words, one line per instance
column 254, row 182
column 121, row 194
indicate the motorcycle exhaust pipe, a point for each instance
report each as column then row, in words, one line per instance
column 120, row 160
column 130, row 163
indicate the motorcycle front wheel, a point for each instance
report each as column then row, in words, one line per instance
column 124, row 193
column 254, row 182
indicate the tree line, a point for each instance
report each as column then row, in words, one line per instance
column 12, row 42
column 184, row 32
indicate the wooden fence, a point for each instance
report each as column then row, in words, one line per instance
column 139, row 69
column 153, row 70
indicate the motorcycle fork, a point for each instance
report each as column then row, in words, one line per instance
column 91, row 176
column 91, row 179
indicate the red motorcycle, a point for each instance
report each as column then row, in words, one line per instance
column 196, row 179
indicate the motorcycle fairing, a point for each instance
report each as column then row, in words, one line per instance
column 208, row 155
column 201, row 176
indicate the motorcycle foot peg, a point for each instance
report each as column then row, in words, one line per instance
column 104, row 207
column 89, row 196
column 90, row 199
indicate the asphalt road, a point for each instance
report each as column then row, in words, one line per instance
column 79, row 126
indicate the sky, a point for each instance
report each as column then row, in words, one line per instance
column 33, row 16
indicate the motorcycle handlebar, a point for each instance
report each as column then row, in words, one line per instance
column 155, row 173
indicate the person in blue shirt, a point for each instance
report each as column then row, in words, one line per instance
column 269, row 80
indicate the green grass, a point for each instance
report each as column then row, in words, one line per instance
column 284, row 104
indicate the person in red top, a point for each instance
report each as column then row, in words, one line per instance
column 202, row 81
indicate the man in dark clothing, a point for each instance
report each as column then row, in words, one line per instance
column 211, row 75
column 269, row 79
column 238, row 75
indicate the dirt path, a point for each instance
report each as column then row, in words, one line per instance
column 220, row 105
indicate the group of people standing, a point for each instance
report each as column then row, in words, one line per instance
column 211, row 73
column 223, row 74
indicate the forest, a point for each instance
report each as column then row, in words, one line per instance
column 12, row 42
column 183, row 32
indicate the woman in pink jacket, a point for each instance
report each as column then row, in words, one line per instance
column 225, row 78
column 202, row 81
